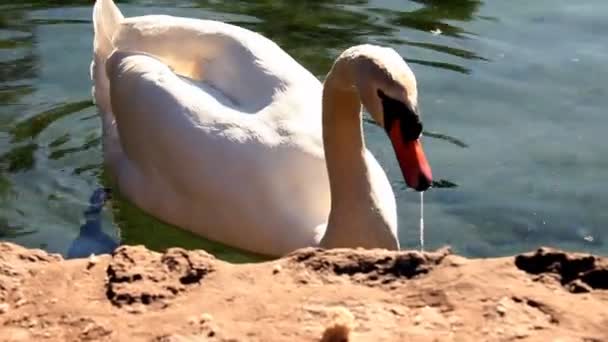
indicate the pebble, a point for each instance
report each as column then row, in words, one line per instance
column 276, row 269
column 501, row 309
column 205, row 317
column 93, row 260
column 4, row 307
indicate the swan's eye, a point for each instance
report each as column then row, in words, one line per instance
column 397, row 112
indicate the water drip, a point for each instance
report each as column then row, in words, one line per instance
column 422, row 221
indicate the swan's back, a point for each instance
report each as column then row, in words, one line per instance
column 243, row 65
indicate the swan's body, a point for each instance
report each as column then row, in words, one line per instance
column 217, row 130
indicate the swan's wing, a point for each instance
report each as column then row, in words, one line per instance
column 245, row 66
column 144, row 89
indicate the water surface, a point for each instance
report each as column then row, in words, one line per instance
column 513, row 95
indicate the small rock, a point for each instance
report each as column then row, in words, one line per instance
column 276, row 269
column 205, row 317
column 578, row 286
column 501, row 309
column 93, row 260
column 395, row 312
column 4, row 307
column 342, row 323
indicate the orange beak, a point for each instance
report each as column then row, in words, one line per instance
column 412, row 161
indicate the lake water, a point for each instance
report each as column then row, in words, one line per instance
column 513, row 93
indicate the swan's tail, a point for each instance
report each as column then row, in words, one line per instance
column 106, row 22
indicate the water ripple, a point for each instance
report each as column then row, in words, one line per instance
column 31, row 127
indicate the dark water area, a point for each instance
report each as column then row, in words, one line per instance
column 513, row 95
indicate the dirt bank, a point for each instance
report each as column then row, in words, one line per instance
column 139, row 295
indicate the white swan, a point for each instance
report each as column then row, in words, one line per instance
column 217, row 130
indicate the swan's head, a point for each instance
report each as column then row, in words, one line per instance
column 387, row 89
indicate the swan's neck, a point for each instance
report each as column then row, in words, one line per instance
column 356, row 217
column 344, row 147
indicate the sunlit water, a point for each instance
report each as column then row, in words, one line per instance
column 514, row 96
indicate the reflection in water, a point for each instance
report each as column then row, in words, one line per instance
column 294, row 25
column 434, row 14
column 94, row 168
column 20, row 158
column 91, row 142
column 10, row 94
column 446, row 49
column 435, row 184
column 18, row 69
column 91, row 238
column 18, row 63
column 8, row 230
column 5, row 186
column 15, row 70
column 445, row 137
column 435, row 135
column 441, row 65
column 30, row 128
column 443, row 184
column 332, row 26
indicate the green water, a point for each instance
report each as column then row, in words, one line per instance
column 514, row 96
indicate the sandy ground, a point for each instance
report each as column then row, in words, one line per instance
column 310, row 295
